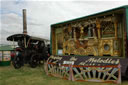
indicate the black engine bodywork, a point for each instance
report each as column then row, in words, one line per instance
column 30, row 50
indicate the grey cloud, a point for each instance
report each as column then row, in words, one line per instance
column 40, row 14
column 11, row 18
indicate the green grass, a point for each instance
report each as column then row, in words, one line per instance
column 36, row 76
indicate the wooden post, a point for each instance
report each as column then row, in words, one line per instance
column 71, row 73
column 28, row 42
column 13, row 43
column 46, row 67
column 119, row 73
column 25, row 42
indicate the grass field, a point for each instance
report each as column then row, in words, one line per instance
column 36, row 76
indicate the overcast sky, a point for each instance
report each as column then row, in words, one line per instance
column 41, row 14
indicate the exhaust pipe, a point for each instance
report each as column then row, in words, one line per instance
column 24, row 22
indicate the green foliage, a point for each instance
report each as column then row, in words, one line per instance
column 36, row 76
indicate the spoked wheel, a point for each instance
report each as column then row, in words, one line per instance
column 34, row 61
column 126, row 73
column 17, row 62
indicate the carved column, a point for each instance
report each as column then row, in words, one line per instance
column 81, row 32
column 74, row 34
column 98, row 27
column 115, row 25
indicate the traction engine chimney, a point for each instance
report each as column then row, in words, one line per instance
column 24, row 22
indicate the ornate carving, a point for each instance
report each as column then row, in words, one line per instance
column 106, row 47
column 96, row 37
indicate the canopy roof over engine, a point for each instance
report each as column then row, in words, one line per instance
column 17, row 37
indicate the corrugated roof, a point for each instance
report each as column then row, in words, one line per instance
column 6, row 48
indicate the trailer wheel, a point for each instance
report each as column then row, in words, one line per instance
column 34, row 61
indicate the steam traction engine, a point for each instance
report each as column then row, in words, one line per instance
column 31, row 50
column 91, row 48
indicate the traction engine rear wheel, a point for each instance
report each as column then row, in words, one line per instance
column 127, row 73
column 34, row 61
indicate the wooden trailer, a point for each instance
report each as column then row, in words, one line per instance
column 91, row 48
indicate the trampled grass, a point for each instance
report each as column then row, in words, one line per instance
column 36, row 76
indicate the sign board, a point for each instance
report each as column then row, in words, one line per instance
column 6, row 56
column 84, row 60
column 68, row 62
column 0, row 55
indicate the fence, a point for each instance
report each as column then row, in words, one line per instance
column 69, row 71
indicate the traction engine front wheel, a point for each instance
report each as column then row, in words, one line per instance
column 17, row 62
